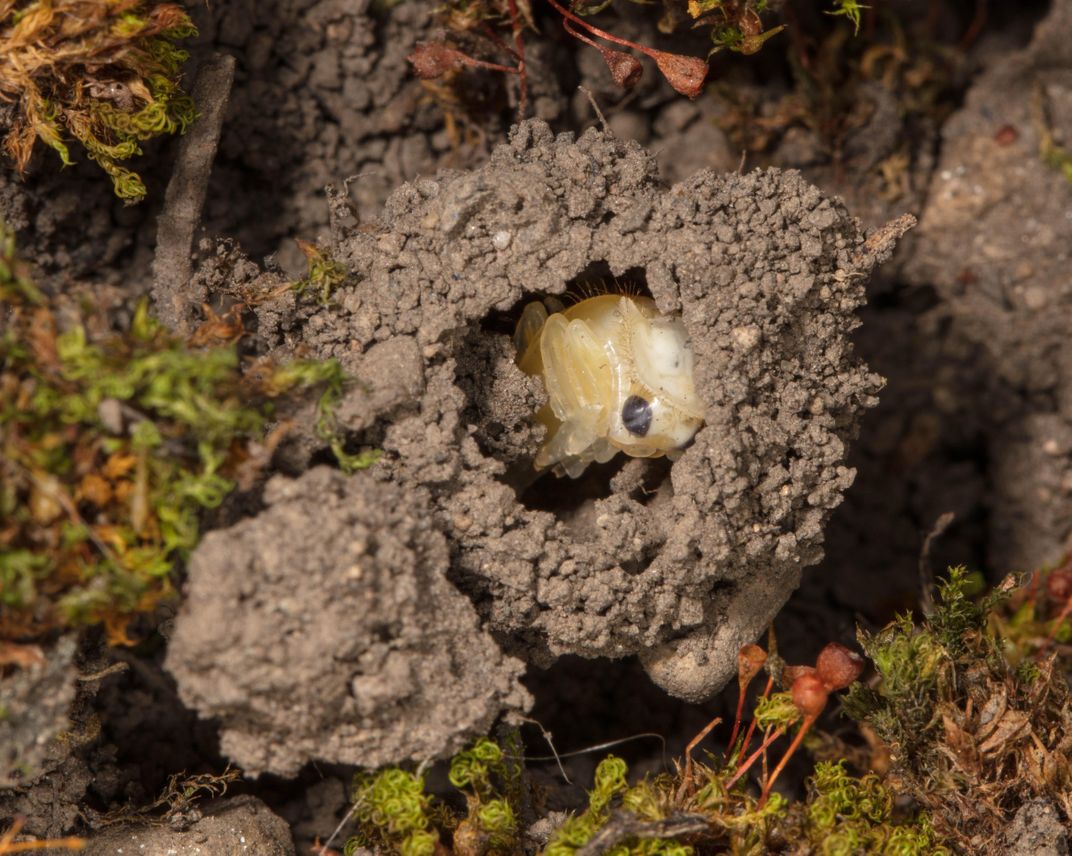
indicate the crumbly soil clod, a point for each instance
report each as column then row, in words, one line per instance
column 767, row 273
column 325, row 629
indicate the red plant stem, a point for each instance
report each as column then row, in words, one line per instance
column 1057, row 624
column 578, row 35
column 494, row 66
column 686, row 780
column 976, row 26
column 808, row 721
column 774, row 735
column 566, row 13
column 752, row 724
column 737, row 717
column 488, row 34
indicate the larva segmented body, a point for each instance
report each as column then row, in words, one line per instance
column 619, row 377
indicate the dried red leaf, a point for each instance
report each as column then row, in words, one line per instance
column 685, row 73
column 22, row 656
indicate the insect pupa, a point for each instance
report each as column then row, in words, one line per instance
column 619, row 378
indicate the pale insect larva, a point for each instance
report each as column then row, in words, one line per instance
column 618, row 375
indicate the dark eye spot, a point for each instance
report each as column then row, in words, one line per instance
column 636, row 414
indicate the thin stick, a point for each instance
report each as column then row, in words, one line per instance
column 592, row 98
column 346, row 819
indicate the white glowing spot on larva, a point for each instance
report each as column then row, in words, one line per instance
column 619, row 378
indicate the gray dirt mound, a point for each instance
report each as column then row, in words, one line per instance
column 685, row 563
column 325, row 628
column 994, row 241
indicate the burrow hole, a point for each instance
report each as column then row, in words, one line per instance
column 642, row 480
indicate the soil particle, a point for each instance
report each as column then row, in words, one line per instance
column 994, row 242
column 1037, row 830
column 767, row 273
column 230, row 827
column 322, row 91
column 325, row 628
column 51, row 748
column 34, row 705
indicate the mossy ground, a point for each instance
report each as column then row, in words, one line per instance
column 114, row 444
column 969, row 707
column 102, row 73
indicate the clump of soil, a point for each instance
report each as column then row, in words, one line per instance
column 325, row 629
column 682, row 564
column 35, row 702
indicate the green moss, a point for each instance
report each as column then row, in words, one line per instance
column 846, row 815
column 392, row 809
column 850, row 9
column 324, row 276
column 776, row 711
column 474, row 767
column 109, row 80
column 112, row 448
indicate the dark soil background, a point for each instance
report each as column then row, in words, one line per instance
column 975, row 419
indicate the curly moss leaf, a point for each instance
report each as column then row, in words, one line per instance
column 135, row 98
column 776, row 711
column 472, row 768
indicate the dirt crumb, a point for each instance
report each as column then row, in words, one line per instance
column 35, row 701
column 1037, row 830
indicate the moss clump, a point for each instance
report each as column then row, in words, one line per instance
column 103, row 73
column 112, row 445
column 973, row 707
column 610, row 782
column 393, row 812
column 846, row 815
column 324, row 276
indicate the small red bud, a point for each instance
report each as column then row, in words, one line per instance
column 625, row 69
column 685, row 73
column 837, row 666
column 750, row 659
column 809, row 695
